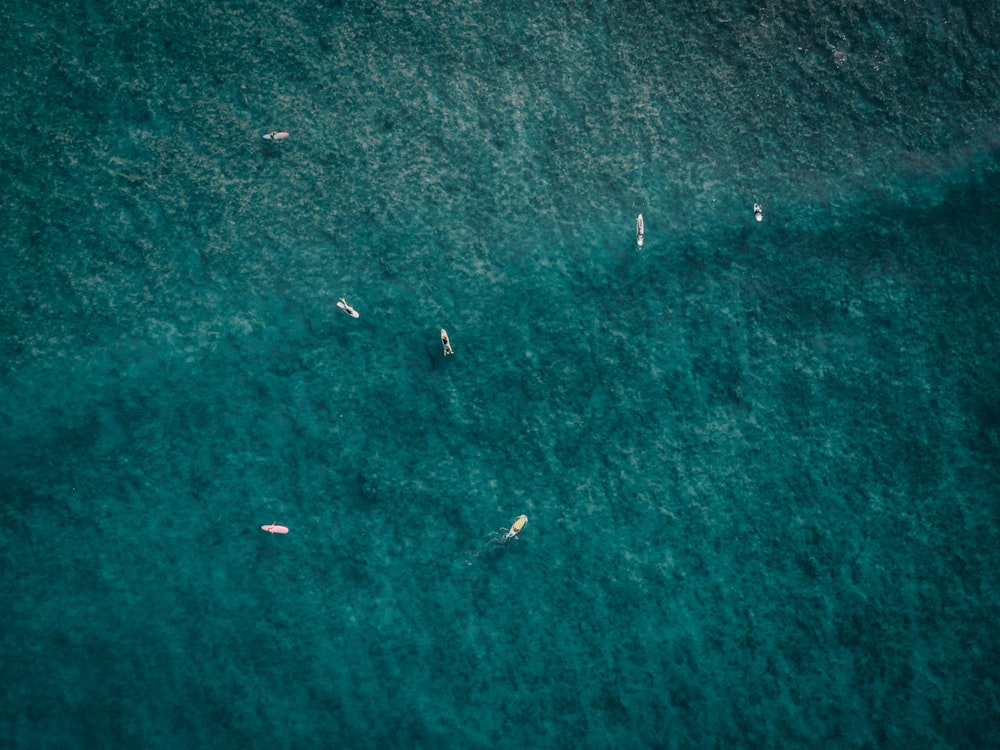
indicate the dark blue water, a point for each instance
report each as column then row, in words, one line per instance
column 759, row 460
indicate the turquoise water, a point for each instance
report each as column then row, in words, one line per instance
column 759, row 460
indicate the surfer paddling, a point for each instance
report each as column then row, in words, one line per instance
column 515, row 529
column 505, row 535
column 445, row 343
column 276, row 135
column 342, row 304
column 500, row 537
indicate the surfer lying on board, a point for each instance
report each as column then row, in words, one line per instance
column 342, row 304
column 500, row 537
column 503, row 535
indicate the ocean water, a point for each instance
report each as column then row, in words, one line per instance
column 759, row 460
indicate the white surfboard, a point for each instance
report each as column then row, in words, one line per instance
column 275, row 135
column 342, row 304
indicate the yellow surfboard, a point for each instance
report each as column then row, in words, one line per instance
column 516, row 528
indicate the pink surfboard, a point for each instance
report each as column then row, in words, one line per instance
column 275, row 529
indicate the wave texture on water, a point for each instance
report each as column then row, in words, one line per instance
column 758, row 459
